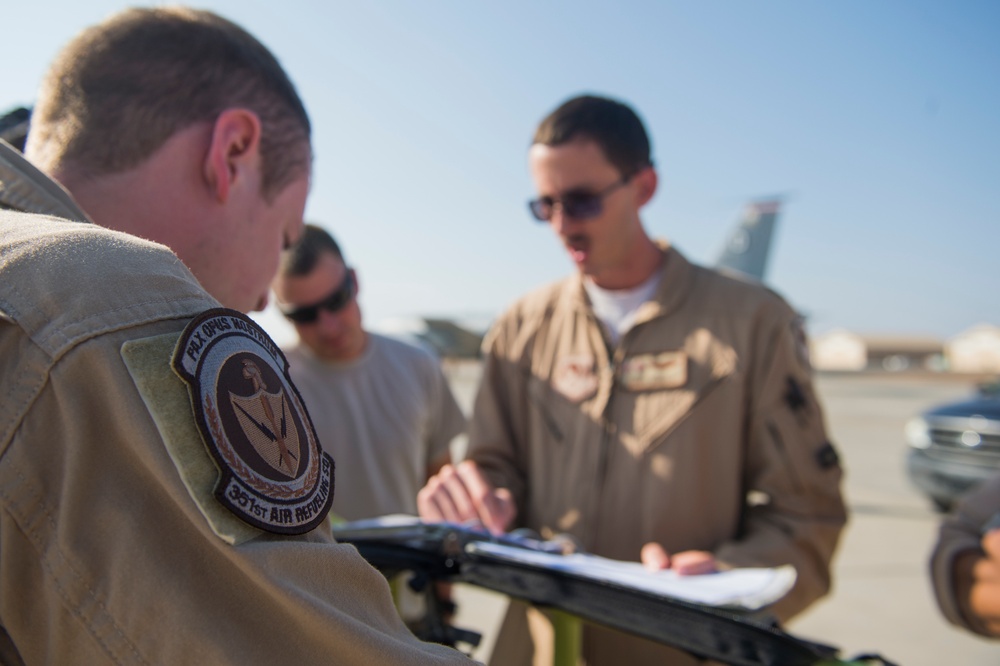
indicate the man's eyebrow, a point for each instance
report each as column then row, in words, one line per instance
column 584, row 190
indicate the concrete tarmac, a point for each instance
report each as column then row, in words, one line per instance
column 882, row 601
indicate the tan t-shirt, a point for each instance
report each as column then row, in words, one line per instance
column 385, row 417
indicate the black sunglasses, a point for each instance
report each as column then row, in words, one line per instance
column 577, row 205
column 340, row 297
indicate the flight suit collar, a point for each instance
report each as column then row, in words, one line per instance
column 674, row 288
column 24, row 188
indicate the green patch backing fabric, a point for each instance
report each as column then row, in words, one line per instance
column 169, row 403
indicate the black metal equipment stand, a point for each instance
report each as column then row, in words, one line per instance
column 441, row 552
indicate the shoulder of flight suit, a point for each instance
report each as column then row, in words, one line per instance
column 68, row 282
column 24, row 187
column 520, row 322
column 48, row 263
column 741, row 296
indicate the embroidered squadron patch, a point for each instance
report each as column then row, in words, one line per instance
column 795, row 395
column 827, row 456
column 274, row 475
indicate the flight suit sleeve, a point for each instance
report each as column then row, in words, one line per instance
column 446, row 420
column 497, row 434
column 796, row 512
column 108, row 558
column 961, row 531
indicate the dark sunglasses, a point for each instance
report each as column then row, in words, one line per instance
column 340, row 297
column 577, row 205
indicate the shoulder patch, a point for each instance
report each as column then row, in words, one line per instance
column 795, row 395
column 827, row 456
column 274, row 475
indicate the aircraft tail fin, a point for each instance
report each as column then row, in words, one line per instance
column 747, row 247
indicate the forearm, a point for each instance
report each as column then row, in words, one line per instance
column 496, row 427
column 807, row 542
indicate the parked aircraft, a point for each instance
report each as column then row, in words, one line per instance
column 14, row 126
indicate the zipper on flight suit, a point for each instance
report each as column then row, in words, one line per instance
column 609, row 429
column 550, row 422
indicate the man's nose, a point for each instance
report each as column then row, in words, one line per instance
column 559, row 219
column 330, row 322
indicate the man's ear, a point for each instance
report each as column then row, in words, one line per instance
column 234, row 146
column 647, row 181
column 357, row 285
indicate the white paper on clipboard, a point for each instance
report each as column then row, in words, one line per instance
column 747, row 589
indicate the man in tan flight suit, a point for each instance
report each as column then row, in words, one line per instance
column 655, row 410
column 162, row 493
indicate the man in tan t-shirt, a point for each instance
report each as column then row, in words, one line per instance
column 381, row 406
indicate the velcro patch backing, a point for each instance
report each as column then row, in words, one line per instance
column 655, row 371
column 169, row 404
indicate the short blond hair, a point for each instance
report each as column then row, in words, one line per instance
column 121, row 88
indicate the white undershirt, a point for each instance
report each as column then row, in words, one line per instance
column 617, row 308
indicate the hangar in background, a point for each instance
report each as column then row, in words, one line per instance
column 976, row 350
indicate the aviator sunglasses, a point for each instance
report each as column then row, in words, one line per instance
column 340, row 297
column 577, row 205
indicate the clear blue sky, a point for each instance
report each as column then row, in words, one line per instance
column 881, row 120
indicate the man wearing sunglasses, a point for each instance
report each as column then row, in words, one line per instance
column 638, row 404
column 381, row 406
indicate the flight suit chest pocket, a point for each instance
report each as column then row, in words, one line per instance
column 560, row 401
column 659, row 391
column 564, row 435
column 651, row 372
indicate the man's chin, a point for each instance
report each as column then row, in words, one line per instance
column 327, row 355
column 333, row 353
column 586, row 268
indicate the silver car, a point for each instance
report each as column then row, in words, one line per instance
column 955, row 446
